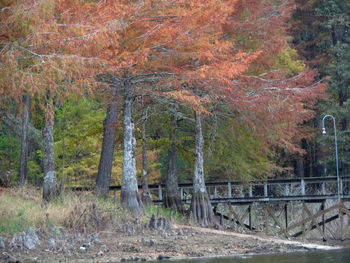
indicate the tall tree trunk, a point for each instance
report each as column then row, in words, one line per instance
column 50, row 189
column 299, row 166
column 129, row 193
column 200, row 205
column 23, row 160
column 171, row 196
column 106, row 159
column 146, row 198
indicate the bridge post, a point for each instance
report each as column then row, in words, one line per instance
column 250, row 216
column 341, row 217
column 303, row 224
column 160, row 195
column 250, row 191
column 266, row 219
column 286, row 214
column 229, row 190
column 302, row 187
column 215, row 192
column 181, row 193
column 265, row 190
column 323, row 188
column 323, row 219
column 341, row 186
column 286, row 190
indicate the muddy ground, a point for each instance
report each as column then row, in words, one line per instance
column 135, row 243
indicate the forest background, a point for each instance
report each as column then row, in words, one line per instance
column 254, row 77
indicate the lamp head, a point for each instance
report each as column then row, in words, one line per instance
column 323, row 130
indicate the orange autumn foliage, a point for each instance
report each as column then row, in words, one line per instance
column 184, row 49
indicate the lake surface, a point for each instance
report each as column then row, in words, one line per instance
column 330, row 256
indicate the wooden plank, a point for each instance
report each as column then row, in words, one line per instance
column 304, row 223
column 266, row 219
column 230, row 219
column 276, row 220
column 266, row 194
column 160, row 195
column 323, row 221
column 229, row 190
column 346, row 211
column 286, row 190
column 313, row 227
column 286, row 214
column 341, row 217
column 308, row 219
column 313, row 222
column 302, row 187
column 250, row 216
column 238, row 218
column 323, row 188
column 250, row 191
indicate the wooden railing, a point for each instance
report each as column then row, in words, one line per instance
column 309, row 188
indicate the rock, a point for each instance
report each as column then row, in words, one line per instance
column 143, row 242
column 16, row 243
column 66, row 251
column 100, row 253
column 104, row 248
column 160, row 257
column 151, row 242
column 9, row 258
column 180, row 232
column 87, row 245
column 2, row 243
column 30, row 239
column 82, row 249
column 52, row 243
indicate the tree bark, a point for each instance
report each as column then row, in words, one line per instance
column 200, row 205
column 23, row 160
column 171, row 196
column 146, row 198
column 50, row 189
column 129, row 191
column 106, row 159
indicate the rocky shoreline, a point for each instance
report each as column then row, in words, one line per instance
column 157, row 240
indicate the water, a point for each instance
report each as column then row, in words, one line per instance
column 330, row 256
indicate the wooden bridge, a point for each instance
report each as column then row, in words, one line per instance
column 275, row 206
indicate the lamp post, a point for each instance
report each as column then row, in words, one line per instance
column 336, row 147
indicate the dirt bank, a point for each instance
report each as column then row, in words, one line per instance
column 134, row 243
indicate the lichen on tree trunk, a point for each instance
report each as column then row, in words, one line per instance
column 106, row 159
column 201, row 208
column 50, row 189
column 172, row 196
column 130, row 197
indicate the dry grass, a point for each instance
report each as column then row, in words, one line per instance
column 20, row 208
